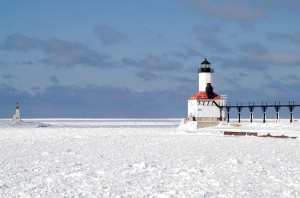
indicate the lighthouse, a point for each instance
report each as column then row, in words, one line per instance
column 16, row 117
column 205, row 108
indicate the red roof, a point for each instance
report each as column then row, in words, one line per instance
column 203, row 95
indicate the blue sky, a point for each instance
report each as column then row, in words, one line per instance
column 113, row 58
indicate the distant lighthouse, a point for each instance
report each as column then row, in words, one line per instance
column 205, row 107
column 17, row 117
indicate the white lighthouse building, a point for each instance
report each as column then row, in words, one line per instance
column 205, row 107
column 17, row 117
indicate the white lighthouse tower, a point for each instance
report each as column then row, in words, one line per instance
column 205, row 107
column 17, row 117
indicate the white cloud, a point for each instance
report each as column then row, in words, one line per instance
column 109, row 36
column 281, row 58
column 60, row 53
column 234, row 10
column 152, row 62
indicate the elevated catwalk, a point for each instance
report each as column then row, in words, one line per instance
column 264, row 106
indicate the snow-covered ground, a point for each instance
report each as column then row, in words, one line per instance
column 142, row 158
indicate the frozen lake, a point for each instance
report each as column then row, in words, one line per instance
column 141, row 158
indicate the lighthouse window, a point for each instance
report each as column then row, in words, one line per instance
column 208, row 70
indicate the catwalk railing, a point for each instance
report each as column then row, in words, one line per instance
column 264, row 106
